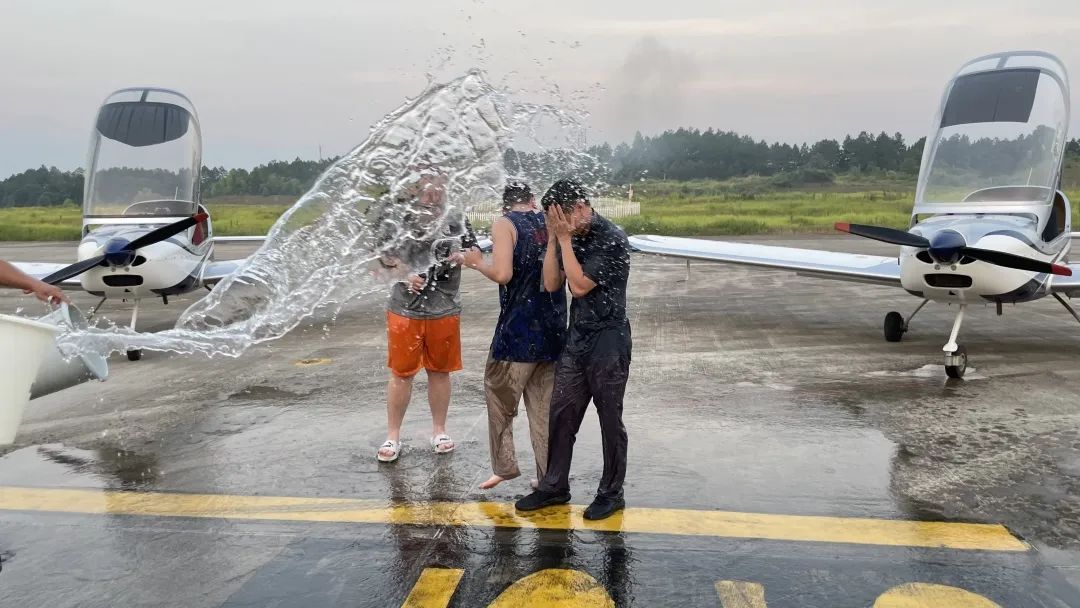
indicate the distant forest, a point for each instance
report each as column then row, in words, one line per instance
column 682, row 154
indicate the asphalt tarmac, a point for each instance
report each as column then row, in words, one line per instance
column 782, row 454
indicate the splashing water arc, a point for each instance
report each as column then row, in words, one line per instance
column 323, row 252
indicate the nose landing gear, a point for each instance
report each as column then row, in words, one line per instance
column 956, row 355
column 135, row 354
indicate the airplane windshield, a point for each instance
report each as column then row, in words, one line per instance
column 145, row 156
column 1000, row 137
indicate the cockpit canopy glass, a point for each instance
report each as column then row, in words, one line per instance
column 145, row 156
column 1000, row 134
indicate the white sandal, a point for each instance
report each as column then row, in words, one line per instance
column 439, row 443
column 393, row 446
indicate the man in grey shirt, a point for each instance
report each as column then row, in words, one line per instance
column 423, row 318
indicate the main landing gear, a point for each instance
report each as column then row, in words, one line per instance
column 896, row 325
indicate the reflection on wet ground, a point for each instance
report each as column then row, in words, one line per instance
column 752, row 395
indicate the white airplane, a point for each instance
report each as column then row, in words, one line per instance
column 989, row 222
column 145, row 232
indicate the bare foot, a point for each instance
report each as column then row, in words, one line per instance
column 492, row 481
column 534, row 484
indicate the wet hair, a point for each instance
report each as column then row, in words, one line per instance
column 565, row 193
column 515, row 193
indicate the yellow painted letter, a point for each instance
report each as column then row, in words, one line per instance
column 926, row 595
column 740, row 594
column 555, row 588
column 434, row 588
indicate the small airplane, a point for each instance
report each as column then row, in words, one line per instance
column 145, row 231
column 989, row 223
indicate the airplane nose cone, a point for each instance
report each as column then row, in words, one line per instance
column 945, row 247
column 118, row 254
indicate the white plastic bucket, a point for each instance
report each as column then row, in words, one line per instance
column 55, row 373
column 23, row 346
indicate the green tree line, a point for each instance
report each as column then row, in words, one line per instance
column 681, row 154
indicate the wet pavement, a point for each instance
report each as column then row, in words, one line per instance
column 781, row 454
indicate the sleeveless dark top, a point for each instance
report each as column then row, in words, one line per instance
column 532, row 322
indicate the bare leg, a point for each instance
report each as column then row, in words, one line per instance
column 439, row 401
column 398, row 394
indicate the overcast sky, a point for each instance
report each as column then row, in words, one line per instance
column 275, row 80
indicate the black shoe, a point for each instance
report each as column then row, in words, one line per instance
column 603, row 508
column 540, row 499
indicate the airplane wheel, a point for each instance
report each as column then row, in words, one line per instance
column 957, row 371
column 134, row 355
column 894, row 326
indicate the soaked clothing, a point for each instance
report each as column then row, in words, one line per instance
column 505, row 382
column 415, row 344
column 595, row 364
column 577, row 380
column 532, row 321
column 528, row 337
column 598, row 323
column 440, row 296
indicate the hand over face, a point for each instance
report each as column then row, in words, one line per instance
column 558, row 223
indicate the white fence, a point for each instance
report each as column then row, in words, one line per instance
column 608, row 207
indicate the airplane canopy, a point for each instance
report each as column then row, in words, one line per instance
column 999, row 136
column 145, row 156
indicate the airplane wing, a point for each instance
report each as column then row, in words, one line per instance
column 239, row 239
column 215, row 271
column 40, row 270
column 810, row 262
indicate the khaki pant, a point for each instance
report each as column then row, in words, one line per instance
column 504, row 384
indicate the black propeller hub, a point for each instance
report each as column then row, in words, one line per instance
column 947, row 247
column 118, row 253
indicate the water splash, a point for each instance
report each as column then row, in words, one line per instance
column 370, row 206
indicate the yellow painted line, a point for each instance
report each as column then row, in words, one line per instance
column 434, row 588
column 928, row 595
column 741, row 594
column 681, row 522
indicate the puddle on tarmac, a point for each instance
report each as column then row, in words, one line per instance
column 62, row 466
column 930, row 370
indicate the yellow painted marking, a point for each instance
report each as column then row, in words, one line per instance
column 741, row 594
column 434, row 588
column 555, row 588
column 926, row 595
column 316, row 361
column 681, row 522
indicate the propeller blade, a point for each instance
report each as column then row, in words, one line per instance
column 160, row 234
column 73, row 270
column 885, row 235
column 1019, row 262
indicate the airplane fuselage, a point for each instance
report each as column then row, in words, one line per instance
column 171, row 267
column 968, row 280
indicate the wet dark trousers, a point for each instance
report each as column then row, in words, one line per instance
column 577, row 381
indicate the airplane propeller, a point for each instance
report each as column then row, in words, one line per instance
column 948, row 247
column 119, row 252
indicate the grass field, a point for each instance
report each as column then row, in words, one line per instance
column 667, row 208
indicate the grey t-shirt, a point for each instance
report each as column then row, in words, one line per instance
column 440, row 296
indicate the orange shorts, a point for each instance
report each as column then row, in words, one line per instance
column 415, row 344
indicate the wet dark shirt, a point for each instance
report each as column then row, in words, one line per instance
column 598, row 323
column 532, row 321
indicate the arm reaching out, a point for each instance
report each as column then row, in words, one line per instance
column 500, row 268
column 13, row 277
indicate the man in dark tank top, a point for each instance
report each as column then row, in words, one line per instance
column 529, row 334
